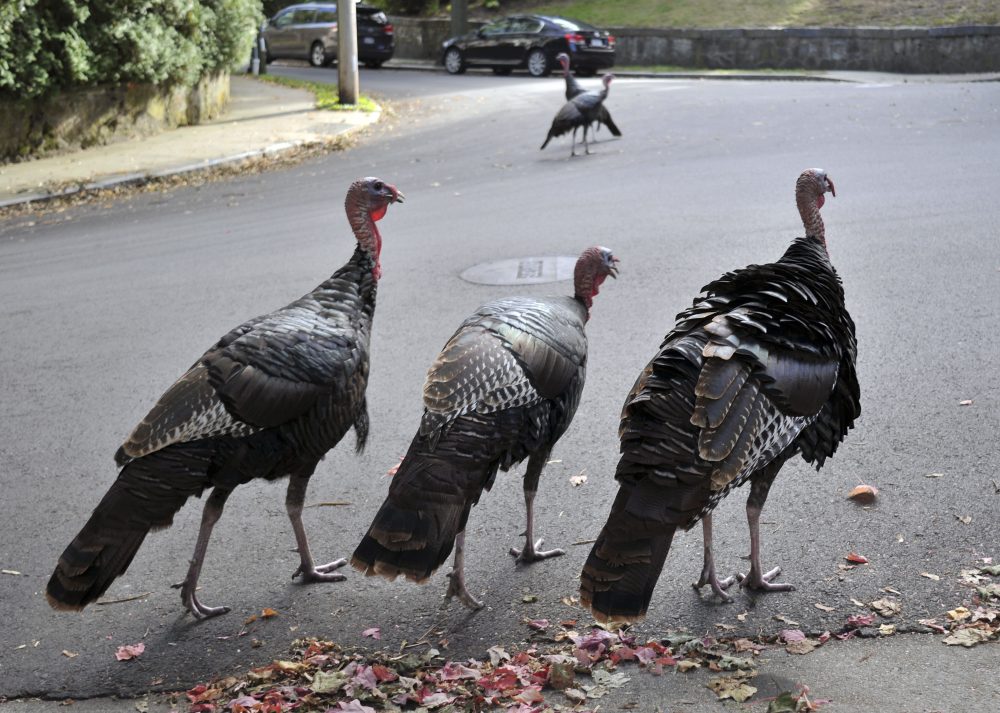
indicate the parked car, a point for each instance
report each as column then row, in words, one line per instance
column 309, row 32
column 531, row 42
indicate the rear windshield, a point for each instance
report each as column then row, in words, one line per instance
column 571, row 25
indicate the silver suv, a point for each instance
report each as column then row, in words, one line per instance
column 310, row 32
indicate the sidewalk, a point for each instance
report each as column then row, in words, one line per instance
column 261, row 119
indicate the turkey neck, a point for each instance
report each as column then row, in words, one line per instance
column 585, row 287
column 365, row 230
column 812, row 221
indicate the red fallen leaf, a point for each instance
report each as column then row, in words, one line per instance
column 790, row 635
column 856, row 558
column 568, row 623
column 864, row 494
column 539, row 624
column 130, row 651
column 203, row 708
column 452, row 671
column 856, row 621
column 383, row 674
column 373, row 633
column 529, row 695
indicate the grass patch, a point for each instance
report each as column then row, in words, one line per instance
column 762, row 13
column 326, row 94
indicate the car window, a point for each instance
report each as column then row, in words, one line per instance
column 523, row 24
column 571, row 25
column 497, row 28
column 326, row 17
column 282, row 20
column 303, row 17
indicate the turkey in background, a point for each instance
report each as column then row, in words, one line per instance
column 580, row 111
column 574, row 88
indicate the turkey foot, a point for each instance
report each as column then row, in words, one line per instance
column 708, row 575
column 762, row 582
column 321, row 573
column 533, row 552
column 190, row 600
column 456, row 577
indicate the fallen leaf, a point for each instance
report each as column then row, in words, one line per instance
column 130, row 651
column 967, row 637
column 687, row 665
column 608, row 679
column 570, row 601
column 959, row 613
column 856, row 558
column 964, row 519
column 268, row 613
column 892, row 591
column 785, row 619
column 887, row 629
column 373, row 633
column 886, row 607
column 801, row 647
column 743, row 616
column 934, row 475
column 824, row 607
column 328, row 681
column 577, row 480
column 562, row 675
column 965, row 402
column 575, row 695
column 13, row 572
column 69, row 654
column 529, row 599
column 931, row 624
column 538, row 624
column 857, row 602
column 790, row 635
column 930, row 576
column 856, row 621
column 864, row 494
column 734, row 687
column 354, row 706
column 497, row 655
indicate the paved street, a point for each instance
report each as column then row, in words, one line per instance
column 102, row 306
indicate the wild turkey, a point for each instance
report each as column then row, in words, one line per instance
column 580, row 111
column 504, row 388
column 760, row 368
column 268, row 400
column 573, row 89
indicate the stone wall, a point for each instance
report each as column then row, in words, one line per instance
column 89, row 117
column 909, row 50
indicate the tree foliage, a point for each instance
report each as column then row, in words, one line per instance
column 48, row 45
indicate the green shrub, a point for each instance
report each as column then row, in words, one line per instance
column 48, row 45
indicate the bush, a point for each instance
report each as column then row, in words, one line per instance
column 48, row 45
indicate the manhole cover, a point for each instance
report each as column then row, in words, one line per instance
column 522, row 271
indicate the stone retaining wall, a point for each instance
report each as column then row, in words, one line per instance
column 974, row 48
column 89, row 117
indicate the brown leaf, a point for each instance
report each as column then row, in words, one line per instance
column 856, row 558
column 959, row 613
column 801, row 647
column 864, row 494
column 886, row 607
column 785, row 619
column 69, row 654
column 824, row 607
column 267, row 613
column 933, row 577
column 734, row 687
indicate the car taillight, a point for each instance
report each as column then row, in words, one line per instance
column 388, row 29
column 573, row 37
column 611, row 40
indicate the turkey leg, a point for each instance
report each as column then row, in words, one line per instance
column 757, row 578
column 532, row 551
column 189, row 587
column 294, row 499
column 708, row 575
column 456, row 587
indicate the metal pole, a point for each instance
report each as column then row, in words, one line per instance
column 459, row 17
column 347, row 52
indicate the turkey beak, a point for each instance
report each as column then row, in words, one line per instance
column 613, row 270
column 829, row 185
column 396, row 195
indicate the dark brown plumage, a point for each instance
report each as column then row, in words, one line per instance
column 579, row 112
column 504, row 388
column 574, row 88
column 760, row 368
column 267, row 401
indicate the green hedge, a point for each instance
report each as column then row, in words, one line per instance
column 48, row 45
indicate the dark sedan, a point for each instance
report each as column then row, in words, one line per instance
column 531, row 42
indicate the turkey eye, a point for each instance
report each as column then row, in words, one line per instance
column 378, row 185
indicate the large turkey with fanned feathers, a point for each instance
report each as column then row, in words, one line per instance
column 504, row 388
column 268, row 400
column 759, row 369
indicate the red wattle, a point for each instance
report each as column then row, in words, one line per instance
column 379, row 213
column 819, row 201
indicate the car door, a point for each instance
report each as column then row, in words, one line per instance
column 279, row 33
column 521, row 38
column 486, row 48
column 300, row 33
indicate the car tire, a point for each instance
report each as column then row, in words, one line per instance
column 317, row 55
column 502, row 71
column 539, row 64
column 373, row 63
column 454, row 61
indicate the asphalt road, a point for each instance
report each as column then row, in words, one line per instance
column 102, row 306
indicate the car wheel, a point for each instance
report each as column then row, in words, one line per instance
column 317, row 55
column 538, row 63
column 373, row 63
column 454, row 62
column 502, row 71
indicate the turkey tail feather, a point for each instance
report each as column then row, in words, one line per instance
column 139, row 501
column 624, row 564
column 605, row 118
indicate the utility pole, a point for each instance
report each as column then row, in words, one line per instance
column 459, row 17
column 347, row 52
